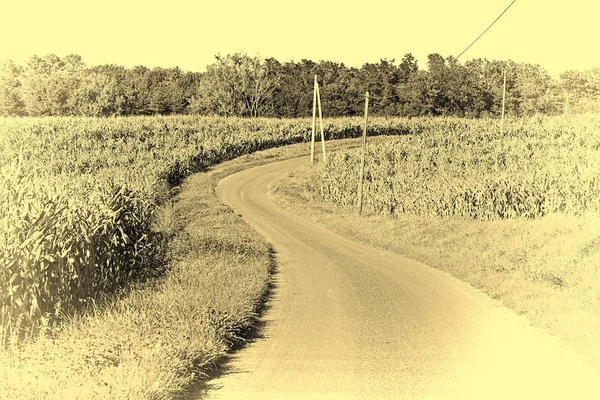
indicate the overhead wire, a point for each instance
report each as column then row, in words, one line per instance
column 486, row 29
column 377, row 99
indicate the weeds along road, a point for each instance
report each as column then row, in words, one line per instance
column 348, row 321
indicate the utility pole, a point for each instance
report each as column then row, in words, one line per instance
column 503, row 102
column 317, row 100
column 314, row 122
column 363, row 155
column 321, row 122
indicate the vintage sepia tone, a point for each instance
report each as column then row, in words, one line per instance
column 306, row 200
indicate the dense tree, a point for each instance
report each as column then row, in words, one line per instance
column 236, row 85
column 240, row 85
column 47, row 84
column 166, row 95
column 487, row 82
column 380, row 80
column 578, row 91
column 11, row 102
column 335, row 88
column 413, row 96
column 531, row 84
column 294, row 94
column 407, row 67
column 97, row 95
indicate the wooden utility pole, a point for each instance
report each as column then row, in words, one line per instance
column 321, row 123
column 503, row 102
column 314, row 122
column 317, row 100
column 363, row 155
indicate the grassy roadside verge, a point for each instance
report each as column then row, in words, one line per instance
column 510, row 260
column 161, row 338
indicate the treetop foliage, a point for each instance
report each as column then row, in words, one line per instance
column 241, row 85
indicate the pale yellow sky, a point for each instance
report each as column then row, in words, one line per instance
column 184, row 33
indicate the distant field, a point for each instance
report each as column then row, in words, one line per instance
column 78, row 195
column 78, row 198
column 533, row 168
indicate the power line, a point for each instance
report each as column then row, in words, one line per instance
column 486, row 29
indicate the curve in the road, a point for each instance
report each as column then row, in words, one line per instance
column 348, row 321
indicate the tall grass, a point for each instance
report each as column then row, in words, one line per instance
column 59, row 250
column 78, row 196
column 78, row 199
column 470, row 169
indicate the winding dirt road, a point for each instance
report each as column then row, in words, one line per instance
column 348, row 321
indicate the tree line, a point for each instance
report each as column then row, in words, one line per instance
column 246, row 86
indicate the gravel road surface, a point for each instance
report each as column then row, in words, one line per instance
column 349, row 321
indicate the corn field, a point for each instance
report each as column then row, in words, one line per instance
column 79, row 195
column 468, row 168
column 78, row 198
